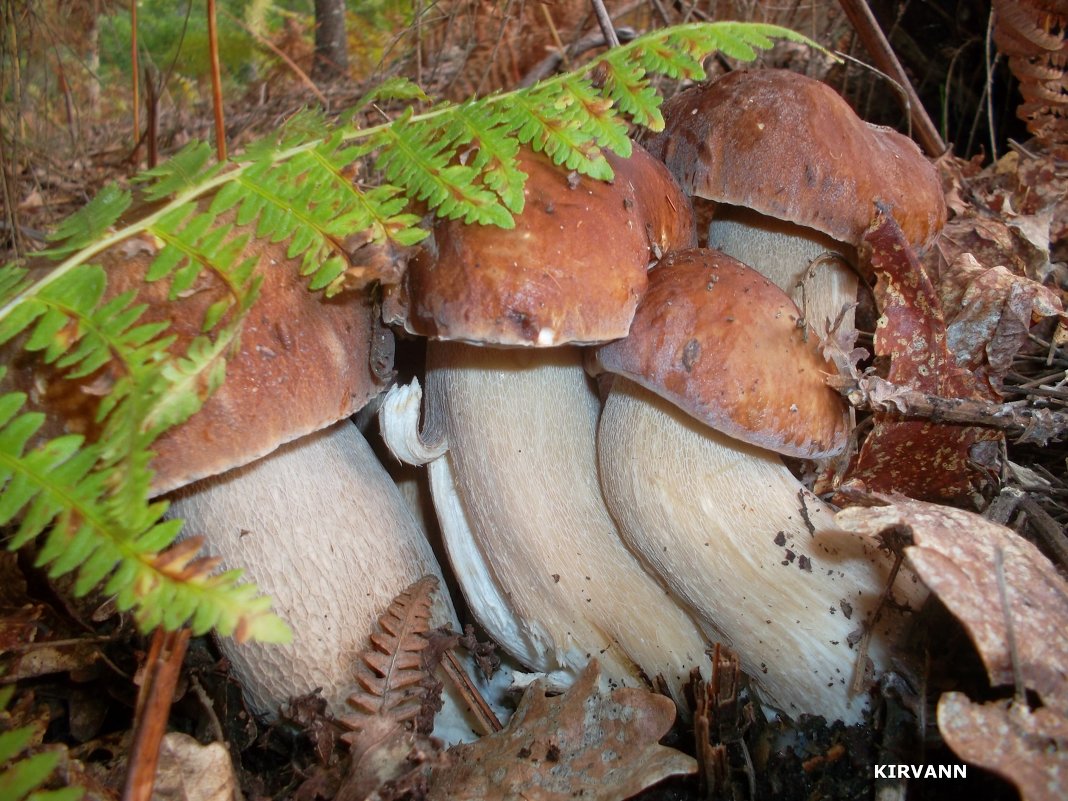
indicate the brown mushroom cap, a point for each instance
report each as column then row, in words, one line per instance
column 790, row 147
column 571, row 271
column 721, row 342
column 304, row 362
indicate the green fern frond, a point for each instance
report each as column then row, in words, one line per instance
column 188, row 168
column 321, row 191
column 87, row 225
column 395, row 88
column 493, row 153
column 22, row 776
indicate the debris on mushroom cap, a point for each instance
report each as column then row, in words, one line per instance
column 791, row 147
column 304, row 362
column 722, row 342
column 571, row 271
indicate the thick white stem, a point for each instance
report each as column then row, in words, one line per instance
column 724, row 524
column 809, row 266
column 533, row 546
column 320, row 527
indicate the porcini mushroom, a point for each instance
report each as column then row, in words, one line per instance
column 713, row 380
column 317, row 525
column 795, row 175
column 535, row 550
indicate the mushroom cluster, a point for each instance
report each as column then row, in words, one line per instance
column 794, row 173
column 716, row 377
column 606, row 405
column 714, row 380
column 511, row 434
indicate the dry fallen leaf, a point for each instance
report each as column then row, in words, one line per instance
column 919, row 458
column 990, row 312
column 1027, row 747
column 1014, row 606
column 579, row 744
column 957, row 555
column 189, row 771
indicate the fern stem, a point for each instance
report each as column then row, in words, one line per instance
column 83, row 255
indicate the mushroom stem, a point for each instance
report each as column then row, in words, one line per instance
column 529, row 537
column 320, row 527
column 759, row 558
column 808, row 265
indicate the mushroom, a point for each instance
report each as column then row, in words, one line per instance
column 536, row 552
column 795, row 175
column 713, row 380
column 317, row 525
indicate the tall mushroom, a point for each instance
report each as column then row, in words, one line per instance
column 713, row 380
column 533, row 546
column 795, row 175
column 317, row 525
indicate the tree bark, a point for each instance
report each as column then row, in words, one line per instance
column 331, row 45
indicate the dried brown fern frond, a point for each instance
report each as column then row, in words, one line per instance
column 1031, row 33
column 386, row 739
column 390, row 672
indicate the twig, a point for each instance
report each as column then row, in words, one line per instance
column 1047, row 528
column 555, row 34
column 1027, row 423
column 1010, row 630
column 475, row 702
column 134, row 74
column 548, row 65
column 301, row 74
column 162, row 668
column 605, row 21
column 875, row 42
column 990, row 65
column 216, row 84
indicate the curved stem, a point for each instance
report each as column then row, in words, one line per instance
column 535, row 549
column 759, row 559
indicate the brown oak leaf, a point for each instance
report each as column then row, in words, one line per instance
column 990, row 312
column 919, row 458
column 1028, row 747
column 581, row 744
column 986, row 575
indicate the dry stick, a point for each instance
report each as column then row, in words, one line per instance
column 216, row 84
column 135, row 90
column 866, row 26
column 1010, row 630
column 605, row 21
column 162, row 668
column 475, row 702
column 1046, row 527
column 548, row 65
column 152, row 107
column 1014, row 420
column 555, row 34
column 293, row 66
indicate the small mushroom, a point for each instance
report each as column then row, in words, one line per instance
column 714, row 380
column 535, row 550
column 795, row 175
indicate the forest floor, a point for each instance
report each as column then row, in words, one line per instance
column 77, row 665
